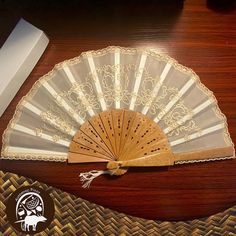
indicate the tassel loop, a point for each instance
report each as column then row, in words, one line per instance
column 87, row 177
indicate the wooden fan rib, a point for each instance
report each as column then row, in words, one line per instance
column 82, row 158
column 83, row 139
column 98, row 127
column 107, row 121
column 88, row 129
column 156, row 137
column 81, row 149
column 117, row 117
column 148, row 149
column 129, row 117
column 145, row 131
column 140, row 123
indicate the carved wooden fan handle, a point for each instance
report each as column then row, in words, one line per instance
column 161, row 159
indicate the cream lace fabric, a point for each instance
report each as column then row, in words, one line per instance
column 47, row 118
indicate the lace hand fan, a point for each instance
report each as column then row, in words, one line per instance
column 128, row 107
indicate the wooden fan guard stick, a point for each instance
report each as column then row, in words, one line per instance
column 168, row 158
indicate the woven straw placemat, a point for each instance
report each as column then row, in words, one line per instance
column 76, row 216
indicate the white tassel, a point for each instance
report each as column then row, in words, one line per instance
column 87, row 177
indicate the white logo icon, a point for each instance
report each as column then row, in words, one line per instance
column 30, row 211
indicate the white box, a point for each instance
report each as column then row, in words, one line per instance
column 18, row 56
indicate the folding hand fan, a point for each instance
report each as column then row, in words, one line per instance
column 127, row 107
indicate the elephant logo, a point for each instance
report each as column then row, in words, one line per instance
column 30, row 209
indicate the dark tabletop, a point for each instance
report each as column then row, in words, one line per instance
column 199, row 34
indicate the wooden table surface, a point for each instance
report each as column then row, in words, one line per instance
column 198, row 35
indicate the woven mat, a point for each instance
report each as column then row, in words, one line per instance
column 76, row 216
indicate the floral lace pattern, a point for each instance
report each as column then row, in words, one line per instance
column 111, row 94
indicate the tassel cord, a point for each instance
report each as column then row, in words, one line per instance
column 87, row 177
